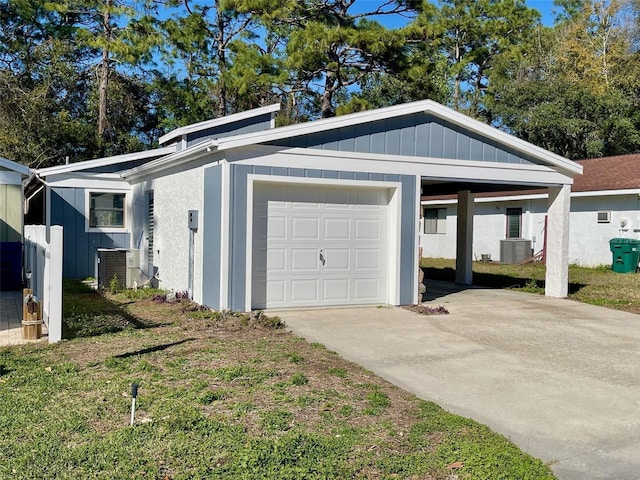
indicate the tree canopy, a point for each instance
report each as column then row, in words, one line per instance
column 81, row 79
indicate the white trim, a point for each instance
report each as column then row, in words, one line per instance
column 89, row 181
column 225, row 216
column 395, row 217
column 537, row 196
column 170, row 161
column 216, row 122
column 102, row 162
column 443, row 170
column 15, row 166
column 126, row 228
column 417, row 215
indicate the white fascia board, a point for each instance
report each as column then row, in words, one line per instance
column 89, row 181
column 101, row 162
column 606, row 193
column 427, row 106
column 170, row 161
column 216, row 122
column 15, row 166
column 433, row 168
column 539, row 196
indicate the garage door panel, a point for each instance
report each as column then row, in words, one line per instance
column 368, row 229
column 337, row 259
column 366, row 289
column 275, row 292
column 305, row 228
column 367, row 259
column 304, row 259
column 276, row 227
column 336, row 290
column 336, row 228
column 305, row 291
column 276, row 260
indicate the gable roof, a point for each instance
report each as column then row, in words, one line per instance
column 106, row 161
column 620, row 172
column 424, row 106
column 216, row 122
column 14, row 166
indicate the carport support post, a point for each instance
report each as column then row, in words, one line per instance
column 464, row 241
column 557, row 277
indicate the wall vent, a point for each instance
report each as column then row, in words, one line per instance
column 604, row 216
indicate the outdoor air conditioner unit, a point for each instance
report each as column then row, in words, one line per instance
column 515, row 250
column 120, row 263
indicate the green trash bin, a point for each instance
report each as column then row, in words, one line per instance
column 626, row 254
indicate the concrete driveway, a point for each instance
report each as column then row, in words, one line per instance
column 559, row 378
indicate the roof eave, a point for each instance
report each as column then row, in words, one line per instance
column 236, row 117
column 101, row 162
column 23, row 170
column 170, row 161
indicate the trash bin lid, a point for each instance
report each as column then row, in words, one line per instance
column 624, row 240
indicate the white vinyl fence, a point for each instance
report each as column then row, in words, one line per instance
column 43, row 258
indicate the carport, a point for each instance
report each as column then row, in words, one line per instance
column 478, row 158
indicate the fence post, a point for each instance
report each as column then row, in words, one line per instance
column 55, row 285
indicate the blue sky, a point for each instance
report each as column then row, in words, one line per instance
column 544, row 7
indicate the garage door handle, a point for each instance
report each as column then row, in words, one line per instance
column 322, row 260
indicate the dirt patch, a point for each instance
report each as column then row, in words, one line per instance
column 427, row 309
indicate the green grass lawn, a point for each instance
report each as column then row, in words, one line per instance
column 221, row 395
column 597, row 286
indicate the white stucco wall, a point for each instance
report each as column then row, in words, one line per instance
column 588, row 240
column 174, row 196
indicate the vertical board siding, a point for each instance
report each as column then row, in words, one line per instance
column 248, row 125
column 238, row 228
column 212, row 236
column 79, row 253
column 420, row 134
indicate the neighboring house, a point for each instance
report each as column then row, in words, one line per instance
column 245, row 216
column 605, row 204
column 12, row 175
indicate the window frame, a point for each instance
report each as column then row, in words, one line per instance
column 510, row 213
column 440, row 221
column 107, row 228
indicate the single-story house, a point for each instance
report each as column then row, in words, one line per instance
column 605, row 204
column 12, row 175
column 246, row 216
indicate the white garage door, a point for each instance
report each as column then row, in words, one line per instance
column 319, row 246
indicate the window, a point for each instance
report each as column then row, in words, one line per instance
column 514, row 223
column 106, row 209
column 435, row 220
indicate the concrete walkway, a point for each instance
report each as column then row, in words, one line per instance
column 559, row 378
column 11, row 318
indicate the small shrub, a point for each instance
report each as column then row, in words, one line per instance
column 378, row 401
column 212, row 396
column 338, row 372
column 114, row 285
column 295, row 358
column 299, row 379
column 276, row 420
